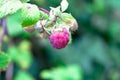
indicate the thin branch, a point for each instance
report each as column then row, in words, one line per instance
column 9, row 72
column 44, row 10
column 2, row 33
column 3, row 23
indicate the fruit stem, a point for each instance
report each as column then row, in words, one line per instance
column 47, row 12
column 44, row 10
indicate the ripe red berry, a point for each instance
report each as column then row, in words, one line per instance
column 59, row 39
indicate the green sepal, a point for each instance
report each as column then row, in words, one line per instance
column 43, row 15
column 64, row 5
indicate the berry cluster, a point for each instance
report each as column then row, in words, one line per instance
column 54, row 24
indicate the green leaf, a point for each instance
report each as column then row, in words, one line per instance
column 21, row 54
column 30, row 14
column 23, row 75
column 4, row 61
column 64, row 5
column 9, row 7
column 24, row 1
column 71, row 72
column 14, row 24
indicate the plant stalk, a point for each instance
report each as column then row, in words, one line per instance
column 2, row 33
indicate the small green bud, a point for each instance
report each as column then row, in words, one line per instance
column 66, row 17
column 70, row 20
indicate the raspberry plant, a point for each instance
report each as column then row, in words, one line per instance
column 56, row 24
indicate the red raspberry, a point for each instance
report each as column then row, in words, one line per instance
column 59, row 39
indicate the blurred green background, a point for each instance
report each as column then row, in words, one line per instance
column 94, row 53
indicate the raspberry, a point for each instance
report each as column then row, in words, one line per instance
column 59, row 39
